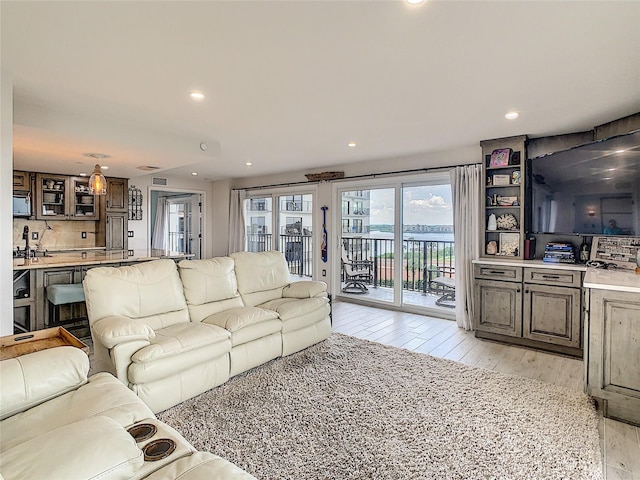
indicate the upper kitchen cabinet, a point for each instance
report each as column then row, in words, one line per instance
column 21, row 181
column 117, row 194
column 60, row 197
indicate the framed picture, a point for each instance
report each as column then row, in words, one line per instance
column 501, row 180
column 509, row 244
column 622, row 251
column 500, row 157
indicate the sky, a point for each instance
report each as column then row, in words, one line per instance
column 424, row 205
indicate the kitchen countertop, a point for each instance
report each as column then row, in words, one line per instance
column 505, row 261
column 618, row 280
column 93, row 257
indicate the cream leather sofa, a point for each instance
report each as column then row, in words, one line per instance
column 171, row 332
column 58, row 424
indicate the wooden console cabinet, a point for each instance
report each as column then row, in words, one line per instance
column 531, row 306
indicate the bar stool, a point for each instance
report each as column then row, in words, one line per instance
column 63, row 295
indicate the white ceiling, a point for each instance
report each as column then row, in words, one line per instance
column 289, row 84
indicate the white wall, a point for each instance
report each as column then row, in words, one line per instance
column 6, row 203
column 141, row 234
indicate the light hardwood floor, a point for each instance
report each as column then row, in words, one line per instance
column 442, row 338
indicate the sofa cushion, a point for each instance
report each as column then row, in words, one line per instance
column 149, row 290
column 246, row 323
column 299, row 313
column 73, row 452
column 289, row 308
column 305, row 289
column 178, row 348
column 34, row 378
column 265, row 272
column 180, row 338
column 235, row 319
column 209, row 280
column 103, row 395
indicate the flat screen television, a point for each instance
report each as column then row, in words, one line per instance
column 592, row 189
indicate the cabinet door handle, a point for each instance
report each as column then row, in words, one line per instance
column 517, row 290
column 526, row 291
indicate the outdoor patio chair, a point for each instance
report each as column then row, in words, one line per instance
column 444, row 284
column 357, row 273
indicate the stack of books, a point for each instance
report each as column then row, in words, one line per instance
column 557, row 252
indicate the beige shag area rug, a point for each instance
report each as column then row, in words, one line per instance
column 353, row 409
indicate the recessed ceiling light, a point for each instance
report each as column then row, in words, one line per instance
column 610, row 169
column 620, row 151
column 195, row 174
column 512, row 115
column 104, row 167
column 414, row 2
column 248, row 164
column 351, row 144
column 196, row 95
column 82, row 174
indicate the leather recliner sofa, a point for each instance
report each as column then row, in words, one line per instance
column 171, row 332
column 56, row 423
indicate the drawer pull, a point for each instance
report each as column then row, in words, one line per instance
column 497, row 272
column 551, row 277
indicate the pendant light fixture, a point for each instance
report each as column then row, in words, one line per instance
column 97, row 182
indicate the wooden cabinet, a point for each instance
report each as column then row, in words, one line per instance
column 499, row 307
column 612, row 354
column 503, row 196
column 60, row 197
column 116, row 231
column 21, row 180
column 117, row 198
column 552, row 315
column 536, row 307
column 114, row 223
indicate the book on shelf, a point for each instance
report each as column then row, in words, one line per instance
column 558, row 260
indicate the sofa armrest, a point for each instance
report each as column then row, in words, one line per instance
column 112, row 331
column 29, row 380
column 305, row 289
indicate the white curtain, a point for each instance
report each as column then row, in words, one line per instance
column 159, row 237
column 466, row 187
column 237, row 235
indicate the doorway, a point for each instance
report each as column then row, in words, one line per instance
column 176, row 221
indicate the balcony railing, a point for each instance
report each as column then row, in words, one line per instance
column 296, row 206
column 422, row 261
column 297, row 250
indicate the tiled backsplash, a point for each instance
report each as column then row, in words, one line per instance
column 61, row 235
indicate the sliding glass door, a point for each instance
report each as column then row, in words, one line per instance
column 397, row 243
